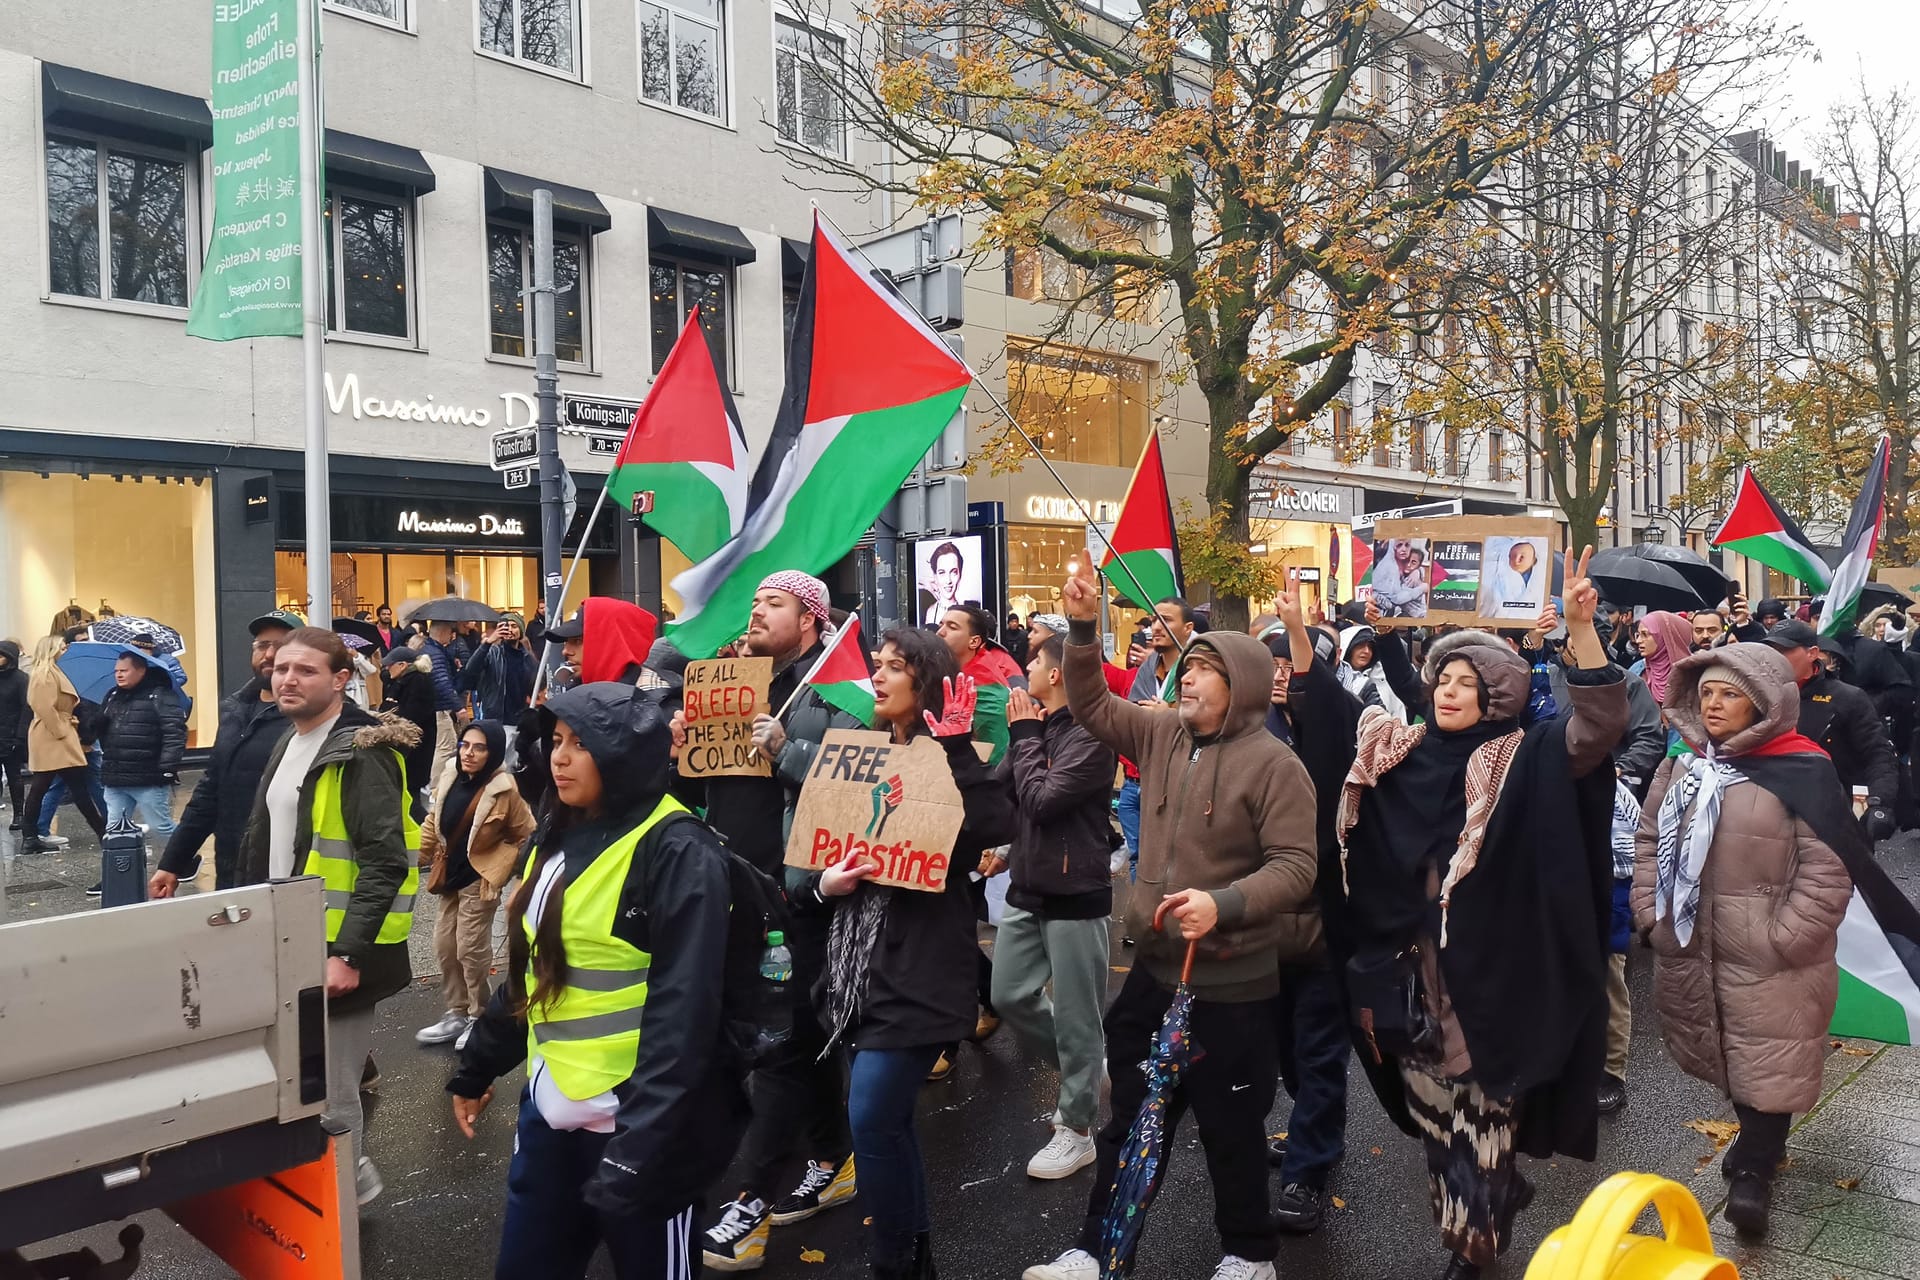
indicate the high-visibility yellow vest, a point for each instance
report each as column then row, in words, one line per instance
column 589, row 1036
column 333, row 859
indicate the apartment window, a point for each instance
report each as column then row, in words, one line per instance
column 1454, row 463
column 679, row 287
column 544, row 32
column 1082, row 406
column 683, row 55
column 1343, row 433
column 393, row 11
column 510, row 277
column 117, row 219
column 1497, row 455
column 1686, row 338
column 1713, row 191
column 805, row 63
column 1739, row 287
column 1041, row 275
column 369, row 271
column 1417, row 444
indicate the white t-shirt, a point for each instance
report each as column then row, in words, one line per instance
column 283, row 797
column 559, row 1111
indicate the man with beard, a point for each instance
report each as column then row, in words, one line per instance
column 799, row 1106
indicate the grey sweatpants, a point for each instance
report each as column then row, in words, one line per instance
column 349, row 1041
column 1064, row 1029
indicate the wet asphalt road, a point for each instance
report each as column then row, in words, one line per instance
column 439, row 1217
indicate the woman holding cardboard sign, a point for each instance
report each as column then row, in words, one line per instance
column 901, row 979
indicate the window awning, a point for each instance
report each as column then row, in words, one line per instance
column 87, row 100
column 793, row 261
column 684, row 235
column 383, row 165
column 511, row 194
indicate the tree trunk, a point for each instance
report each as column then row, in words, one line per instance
column 1228, row 479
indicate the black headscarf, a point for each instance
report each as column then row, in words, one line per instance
column 458, row 811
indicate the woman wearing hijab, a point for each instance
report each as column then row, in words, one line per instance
column 472, row 843
column 407, row 692
column 1662, row 640
column 1741, row 872
column 634, row 1102
column 1479, row 880
column 901, row 980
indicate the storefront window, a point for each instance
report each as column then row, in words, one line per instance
column 1037, row 556
column 365, row 580
column 137, row 547
column 1082, row 406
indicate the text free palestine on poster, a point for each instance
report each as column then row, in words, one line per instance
column 901, row 863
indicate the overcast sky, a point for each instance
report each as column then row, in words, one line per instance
column 1877, row 38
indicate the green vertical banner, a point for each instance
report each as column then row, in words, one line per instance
column 251, row 285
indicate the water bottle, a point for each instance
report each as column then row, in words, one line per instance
column 776, row 962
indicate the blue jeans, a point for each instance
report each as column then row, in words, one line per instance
column 1128, row 808
column 1310, row 1024
column 551, row 1231
column 882, row 1087
column 155, row 804
column 57, row 794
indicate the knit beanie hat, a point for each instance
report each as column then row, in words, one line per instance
column 1727, row 675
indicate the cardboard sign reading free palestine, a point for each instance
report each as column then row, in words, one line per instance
column 723, row 695
column 868, row 797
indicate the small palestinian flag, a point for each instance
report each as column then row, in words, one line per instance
column 1857, row 546
column 841, row 677
column 686, row 449
column 1758, row 529
column 1143, row 562
column 1879, row 957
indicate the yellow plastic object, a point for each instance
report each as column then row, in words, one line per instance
column 1599, row 1244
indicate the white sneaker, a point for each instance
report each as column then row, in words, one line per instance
column 58, row 842
column 1232, row 1268
column 366, row 1182
column 1074, row 1264
column 442, row 1032
column 1066, row 1155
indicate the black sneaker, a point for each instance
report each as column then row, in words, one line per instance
column 1277, row 1151
column 819, row 1189
column 738, row 1242
column 1297, row 1209
column 15, row 825
column 1747, row 1203
column 1613, row 1094
column 95, row 891
column 370, row 1076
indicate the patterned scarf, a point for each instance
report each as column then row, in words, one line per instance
column 1696, row 787
column 1384, row 743
column 857, row 926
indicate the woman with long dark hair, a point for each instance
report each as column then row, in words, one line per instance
column 634, row 1103
column 901, row 962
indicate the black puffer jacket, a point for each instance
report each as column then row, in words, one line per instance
column 145, row 733
column 1062, row 780
column 15, row 716
column 222, row 800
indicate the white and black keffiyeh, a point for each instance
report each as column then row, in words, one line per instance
column 1688, row 816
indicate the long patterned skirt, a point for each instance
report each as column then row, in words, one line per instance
column 1470, row 1168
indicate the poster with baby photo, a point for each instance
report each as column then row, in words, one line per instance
column 1473, row 570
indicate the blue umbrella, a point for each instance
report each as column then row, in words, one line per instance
column 89, row 664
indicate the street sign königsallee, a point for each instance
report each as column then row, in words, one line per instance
column 514, row 448
column 597, row 412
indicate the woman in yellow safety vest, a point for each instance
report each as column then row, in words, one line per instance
column 901, row 962
column 633, row 1104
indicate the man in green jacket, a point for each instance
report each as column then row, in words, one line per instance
column 333, row 803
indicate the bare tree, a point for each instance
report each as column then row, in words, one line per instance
column 1303, row 166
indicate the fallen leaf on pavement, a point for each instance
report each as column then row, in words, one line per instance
column 1279, row 1137
column 812, row 1255
column 1374, row 1152
column 1338, row 1203
column 1855, row 1051
column 1847, row 1184
column 1721, row 1131
column 1122, row 968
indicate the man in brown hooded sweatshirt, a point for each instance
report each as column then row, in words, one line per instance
column 1227, row 842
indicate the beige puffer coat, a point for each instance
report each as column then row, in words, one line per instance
column 1746, row 1003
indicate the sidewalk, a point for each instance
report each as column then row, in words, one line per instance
column 1847, row 1206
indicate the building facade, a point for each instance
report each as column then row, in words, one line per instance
column 146, row 472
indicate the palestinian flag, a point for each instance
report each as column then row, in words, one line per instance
column 841, row 677
column 870, row 387
column 1758, row 529
column 1857, row 547
column 1143, row 557
column 686, row 450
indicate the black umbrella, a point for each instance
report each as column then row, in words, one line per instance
column 453, row 609
column 1701, row 574
column 364, row 630
column 1627, row 579
column 1876, row 594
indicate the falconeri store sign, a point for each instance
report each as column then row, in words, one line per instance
column 1278, row 496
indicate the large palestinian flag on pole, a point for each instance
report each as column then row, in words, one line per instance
column 1758, row 529
column 870, row 387
column 685, row 455
column 1857, row 546
column 1143, row 562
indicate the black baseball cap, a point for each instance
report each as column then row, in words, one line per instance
column 1793, row 634
column 277, row 618
column 574, row 628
